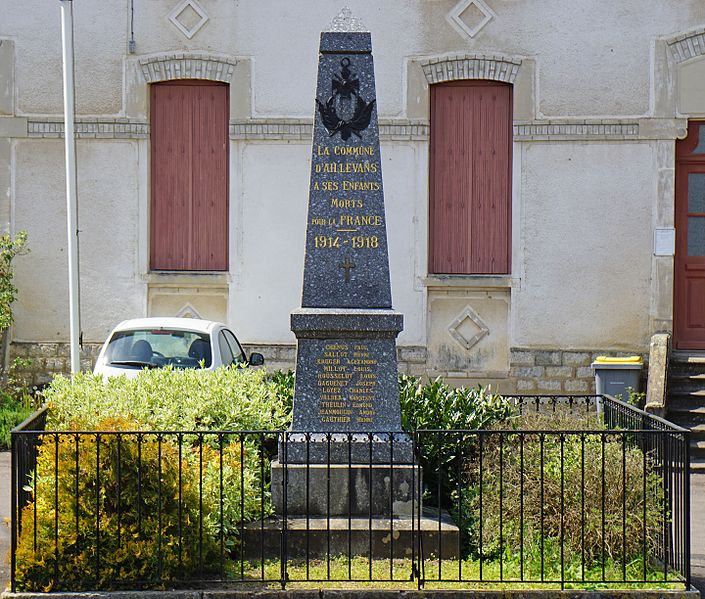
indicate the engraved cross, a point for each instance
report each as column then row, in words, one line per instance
column 347, row 265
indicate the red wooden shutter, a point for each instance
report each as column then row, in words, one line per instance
column 189, row 215
column 470, row 178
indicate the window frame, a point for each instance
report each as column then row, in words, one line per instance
column 501, row 253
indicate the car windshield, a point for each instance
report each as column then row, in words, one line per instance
column 157, row 347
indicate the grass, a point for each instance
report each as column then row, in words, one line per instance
column 359, row 573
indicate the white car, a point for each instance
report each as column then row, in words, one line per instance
column 180, row 342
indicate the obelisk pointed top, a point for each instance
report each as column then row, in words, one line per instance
column 346, row 22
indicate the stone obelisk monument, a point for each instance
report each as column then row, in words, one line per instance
column 346, row 402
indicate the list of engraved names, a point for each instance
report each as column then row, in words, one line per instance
column 347, row 376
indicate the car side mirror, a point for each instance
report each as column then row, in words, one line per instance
column 256, row 359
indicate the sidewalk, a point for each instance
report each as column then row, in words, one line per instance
column 697, row 531
column 697, row 488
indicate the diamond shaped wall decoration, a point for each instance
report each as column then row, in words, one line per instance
column 468, row 328
column 188, row 17
column 188, row 311
column 468, row 17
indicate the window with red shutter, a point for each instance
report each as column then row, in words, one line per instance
column 470, row 178
column 189, row 176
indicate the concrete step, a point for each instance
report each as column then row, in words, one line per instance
column 697, row 464
column 696, row 426
column 318, row 537
column 678, row 375
column 688, row 419
column 686, row 383
column 679, row 371
column 688, row 357
column 686, row 403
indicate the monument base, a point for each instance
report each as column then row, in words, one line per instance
column 346, row 370
column 376, row 538
column 346, row 448
column 346, row 489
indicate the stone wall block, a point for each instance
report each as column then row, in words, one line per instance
column 577, row 386
column 549, row 386
column 286, row 354
column 415, row 355
column 56, row 364
column 576, row 358
column 584, row 372
column 527, row 372
column 521, row 358
column 559, row 372
column 548, row 358
column 20, row 350
column 524, row 385
column 45, row 350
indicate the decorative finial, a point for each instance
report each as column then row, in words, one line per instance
column 346, row 22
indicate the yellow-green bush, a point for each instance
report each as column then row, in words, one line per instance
column 109, row 508
column 133, row 506
column 163, row 399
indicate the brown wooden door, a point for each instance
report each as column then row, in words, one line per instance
column 470, row 178
column 189, row 176
column 689, row 298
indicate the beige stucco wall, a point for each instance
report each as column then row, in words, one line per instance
column 110, row 291
column 586, row 264
column 584, row 204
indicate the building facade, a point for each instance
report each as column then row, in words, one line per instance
column 543, row 168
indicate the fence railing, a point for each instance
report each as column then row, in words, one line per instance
column 572, row 490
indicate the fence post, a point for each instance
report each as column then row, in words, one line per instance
column 13, row 508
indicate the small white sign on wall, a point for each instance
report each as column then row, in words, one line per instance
column 664, row 241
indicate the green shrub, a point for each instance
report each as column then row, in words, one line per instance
column 139, row 510
column 170, row 400
column 12, row 413
column 9, row 248
column 283, row 385
column 435, row 405
column 514, row 489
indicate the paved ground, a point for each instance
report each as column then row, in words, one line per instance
column 697, row 522
column 697, row 530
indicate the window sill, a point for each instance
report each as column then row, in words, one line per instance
column 187, row 279
column 471, row 281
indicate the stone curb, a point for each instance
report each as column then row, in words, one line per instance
column 368, row 594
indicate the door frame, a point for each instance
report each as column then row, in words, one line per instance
column 685, row 163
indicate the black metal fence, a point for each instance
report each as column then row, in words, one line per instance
column 571, row 491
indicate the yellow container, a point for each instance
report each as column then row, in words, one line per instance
column 622, row 360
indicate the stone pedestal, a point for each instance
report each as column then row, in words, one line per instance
column 345, row 489
column 376, row 537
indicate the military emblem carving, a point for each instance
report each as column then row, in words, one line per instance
column 345, row 112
